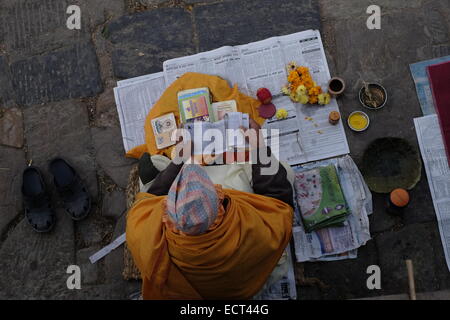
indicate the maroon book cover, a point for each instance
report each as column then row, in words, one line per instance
column 439, row 76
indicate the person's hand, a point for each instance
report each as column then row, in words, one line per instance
column 183, row 149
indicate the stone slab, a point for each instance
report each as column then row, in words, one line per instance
column 33, row 27
column 345, row 279
column 93, row 231
column 110, row 154
column 114, row 265
column 61, row 129
column 240, row 22
column 351, row 9
column 203, row 2
column 418, row 242
column 11, row 127
column 114, row 204
column 12, row 164
column 71, row 72
column 89, row 271
column 6, row 90
column 143, row 41
column 34, row 265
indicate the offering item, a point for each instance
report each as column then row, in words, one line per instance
column 358, row 121
column 336, row 86
column 334, row 117
column 373, row 96
column 264, row 95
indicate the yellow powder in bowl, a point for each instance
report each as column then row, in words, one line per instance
column 358, row 121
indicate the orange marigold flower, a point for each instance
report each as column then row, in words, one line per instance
column 308, row 83
column 294, row 74
column 303, row 70
column 313, row 99
column 315, row 91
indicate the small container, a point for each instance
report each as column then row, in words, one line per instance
column 358, row 121
column 397, row 201
column 334, row 117
column 336, row 86
column 379, row 96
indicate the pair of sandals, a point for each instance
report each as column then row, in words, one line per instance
column 70, row 187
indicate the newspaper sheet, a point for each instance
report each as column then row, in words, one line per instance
column 285, row 288
column 420, row 76
column 337, row 243
column 263, row 64
column 223, row 62
column 135, row 98
column 438, row 173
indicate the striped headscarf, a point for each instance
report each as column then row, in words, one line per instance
column 192, row 202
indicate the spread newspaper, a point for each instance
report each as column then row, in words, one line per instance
column 337, row 243
column 285, row 288
column 134, row 99
column 438, row 173
column 304, row 136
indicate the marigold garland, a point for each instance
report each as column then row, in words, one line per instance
column 302, row 88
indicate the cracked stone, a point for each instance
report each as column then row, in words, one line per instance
column 61, row 129
column 72, row 72
column 92, row 230
column 143, row 41
column 12, row 164
column 114, row 204
column 239, row 22
column 110, row 154
column 11, row 127
column 106, row 110
column 34, row 265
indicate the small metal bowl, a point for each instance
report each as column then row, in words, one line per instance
column 364, row 115
column 382, row 92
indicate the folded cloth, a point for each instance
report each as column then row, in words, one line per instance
column 439, row 75
column 320, row 199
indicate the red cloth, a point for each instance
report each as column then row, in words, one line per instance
column 439, row 76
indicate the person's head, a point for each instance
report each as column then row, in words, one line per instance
column 193, row 203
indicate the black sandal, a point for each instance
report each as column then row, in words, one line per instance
column 71, row 188
column 38, row 210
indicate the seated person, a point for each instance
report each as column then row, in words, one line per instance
column 192, row 239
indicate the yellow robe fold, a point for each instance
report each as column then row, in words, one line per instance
column 232, row 261
column 220, row 91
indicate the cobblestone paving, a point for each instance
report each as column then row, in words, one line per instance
column 56, row 98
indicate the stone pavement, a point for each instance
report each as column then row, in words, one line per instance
column 56, row 98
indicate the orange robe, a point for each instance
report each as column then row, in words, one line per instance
column 220, row 91
column 233, row 261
